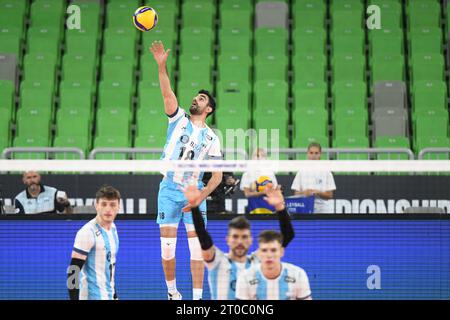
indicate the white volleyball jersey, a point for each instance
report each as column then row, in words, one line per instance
column 291, row 284
column 101, row 247
column 185, row 141
column 223, row 274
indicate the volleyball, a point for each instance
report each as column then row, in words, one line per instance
column 262, row 182
column 145, row 18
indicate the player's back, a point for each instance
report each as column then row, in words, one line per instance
column 101, row 247
column 291, row 284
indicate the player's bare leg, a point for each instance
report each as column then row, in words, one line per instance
column 168, row 260
column 197, row 271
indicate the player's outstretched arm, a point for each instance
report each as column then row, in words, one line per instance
column 73, row 271
column 275, row 198
column 160, row 55
column 192, row 195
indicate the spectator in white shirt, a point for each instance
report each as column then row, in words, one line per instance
column 319, row 183
column 248, row 185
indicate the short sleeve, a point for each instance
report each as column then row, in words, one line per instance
column 245, row 181
column 242, row 290
column 177, row 115
column 303, row 289
column 215, row 152
column 18, row 207
column 84, row 241
column 330, row 185
column 296, row 184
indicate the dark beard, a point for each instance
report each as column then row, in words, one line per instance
column 194, row 110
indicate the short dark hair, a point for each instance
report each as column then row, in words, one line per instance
column 240, row 223
column 211, row 100
column 107, row 192
column 269, row 236
column 315, row 144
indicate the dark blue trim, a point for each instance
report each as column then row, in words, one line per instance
column 80, row 251
column 173, row 114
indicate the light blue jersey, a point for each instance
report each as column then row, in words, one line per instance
column 101, row 247
column 291, row 284
column 185, row 141
column 223, row 274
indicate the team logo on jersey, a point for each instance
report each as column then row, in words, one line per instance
column 289, row 279
column 184, row 138
column 233, row 285
column 253, row 282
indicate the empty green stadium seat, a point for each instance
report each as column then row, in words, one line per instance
column 113, row 121
column 351, row 142
column 310, row 95
column 426, row 40
column 349, row 67
column 349, row 94
column 11, row 41
column 309, row 40
column 43, row 40
column 118, row 67
column 35, row 94
column 309, row 67
column 7, row 98
column 427, row 95
column 310, row 122
column 195, row 66
column 82, row 42
column 193, row 38
column 194, row 9
column 40, row 66
column 386, row 41
column 433, row 142
column 115, row 94
column 388, row 67
column 394, row 143
column 270, row 93
column 425, row 67
column 28, row 142
column 150, row 97
column 80, row 142
column 120, row 13
column 234, row 66
column 234, row 40
column 347, row 40
column 73, row 122
column 120, row 41
column 34, row 122
column 350, row 122
column 112, row 142
column 271, row 66
column 150, row 141
column 424, row 13
column 271, row 40
column 236, row 14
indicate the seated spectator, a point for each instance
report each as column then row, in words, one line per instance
column 37, row 198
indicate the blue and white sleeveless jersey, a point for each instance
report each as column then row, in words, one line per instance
column 101, row 247
column 185, row 141
column 223, row 274
column 291, row 284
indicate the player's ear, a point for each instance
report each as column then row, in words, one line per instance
column 209, row 109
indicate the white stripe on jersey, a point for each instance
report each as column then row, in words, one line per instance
column 223, row 274
column 101, row 246
column 185, row 141
column 291, row 284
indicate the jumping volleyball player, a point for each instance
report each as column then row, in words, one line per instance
column 188, row 138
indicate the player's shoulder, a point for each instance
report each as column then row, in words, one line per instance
column 21, row 196
column 293, row 269
column 88, row 228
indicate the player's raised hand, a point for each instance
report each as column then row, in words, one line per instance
column 159, row 53
column 274, row 197
column 193, row 197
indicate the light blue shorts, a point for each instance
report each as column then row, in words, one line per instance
column 170, row 202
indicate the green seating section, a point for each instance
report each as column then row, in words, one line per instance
column 98, row 86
